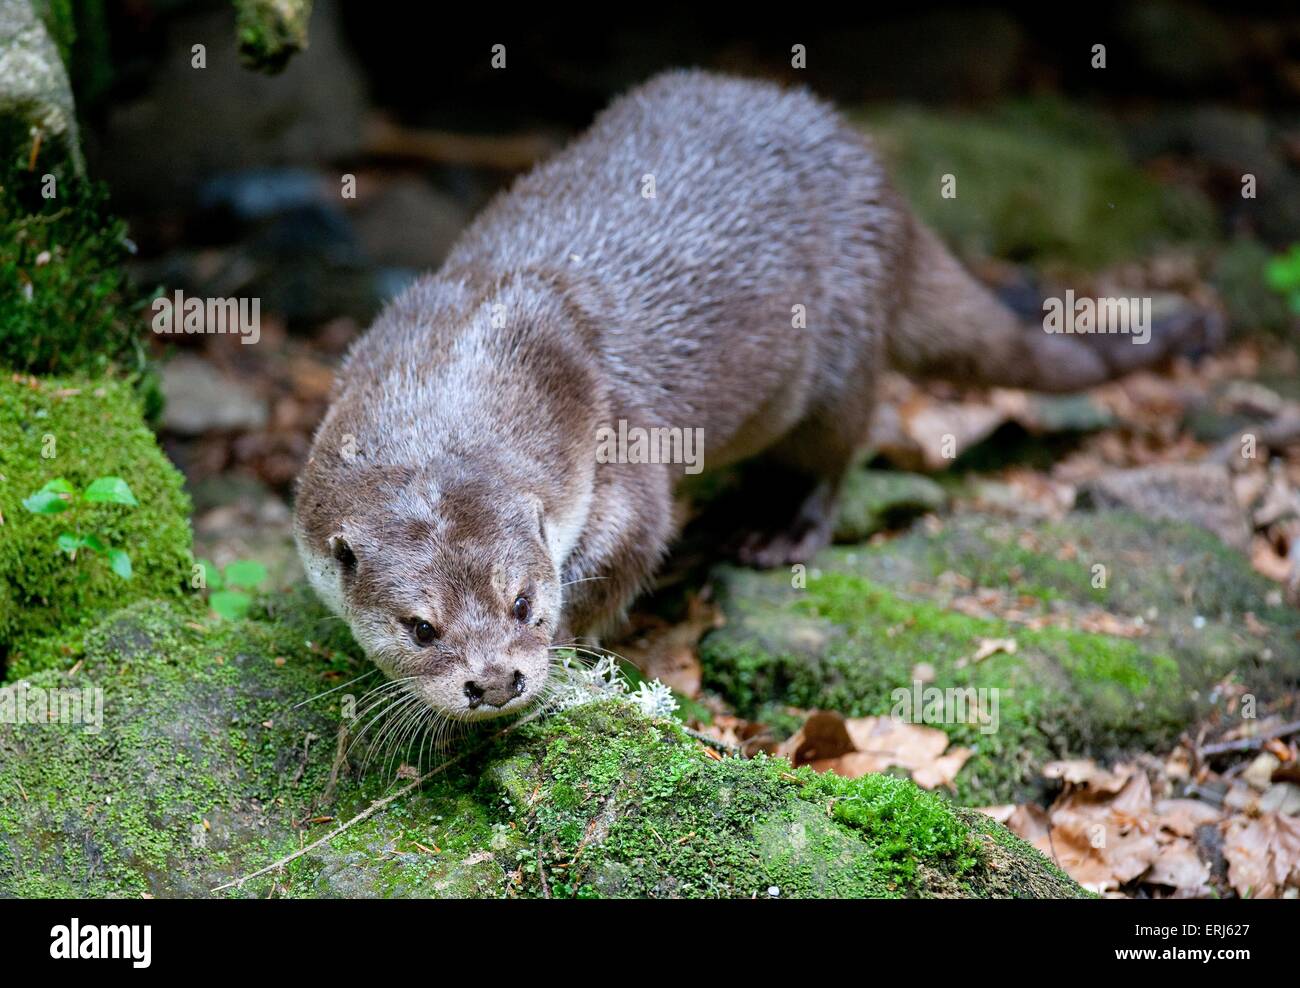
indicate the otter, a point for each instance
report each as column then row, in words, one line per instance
column 713, row 254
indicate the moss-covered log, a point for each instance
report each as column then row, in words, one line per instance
column 205, row 769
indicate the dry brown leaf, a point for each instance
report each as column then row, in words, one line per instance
column 1263, row 855
column 853, row 748
column 1178, row 866
column 824, row 735
column 1267, row 560
column 668, row 652
column 1183, row 816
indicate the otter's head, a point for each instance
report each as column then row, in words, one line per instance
column 450, row 587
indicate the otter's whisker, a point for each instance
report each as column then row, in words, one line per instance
column 585, row 579
column 309, row 699
column 393, row 722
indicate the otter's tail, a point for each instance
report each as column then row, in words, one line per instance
column 952, row 327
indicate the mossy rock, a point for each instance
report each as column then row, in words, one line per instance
column 873, row 500
column 80, row 430
column 1036, row 181
column 869, row 616
column 206, row 768
column 35, row 36
column 66, row 304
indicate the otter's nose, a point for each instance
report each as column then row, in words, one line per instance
column 495, row 690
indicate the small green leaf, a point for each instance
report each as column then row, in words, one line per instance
column 111, row 490
column 120, row 562
column 230, row 604
column 93, row 543
column 51, row 499
column 45, row 503
column 246, row 573
column 69, row 543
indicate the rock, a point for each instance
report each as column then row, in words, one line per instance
column 872, row 500
column 1198, row 493
column 34, row 89
column 223, row 118
column 1227, row 144
column 202, row 399
column 1055, row 182
column 80, row 430
column 210, row 768
column 258, row 193
column 1121, row 658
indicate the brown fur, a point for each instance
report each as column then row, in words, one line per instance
column 458, row 458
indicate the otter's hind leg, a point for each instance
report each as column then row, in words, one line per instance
column 816, row 457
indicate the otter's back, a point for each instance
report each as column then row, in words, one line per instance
column 703, row 210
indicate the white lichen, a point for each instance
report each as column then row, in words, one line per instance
column 577, row 683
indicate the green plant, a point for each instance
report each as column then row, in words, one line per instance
column 1283, row 276
column 60, row 496
column 230, row 591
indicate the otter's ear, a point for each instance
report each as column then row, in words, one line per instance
column 341, row 551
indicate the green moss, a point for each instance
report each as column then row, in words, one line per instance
column 1035, row 181
column 209, row 766
column 869, row 616
column 66, row 305
column 81, row 429
column 872, row 500
column 270, row 32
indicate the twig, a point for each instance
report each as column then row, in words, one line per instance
column 340, row 756
column 541, row 873
column 512, row 152
column 712, row 742
column 377, row 805
column 1250, row 744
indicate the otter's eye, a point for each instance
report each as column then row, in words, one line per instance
column 522, row 609
column 424, row 632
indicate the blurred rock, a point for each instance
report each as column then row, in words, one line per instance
column 34, row 86
column 1200, row 494
column 225, row 118
column 202, row 399
column 257, row 193
column 1223, row 144
column 1181, row 45
column 872, row 500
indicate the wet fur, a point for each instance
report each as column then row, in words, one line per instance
column 459, row 445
